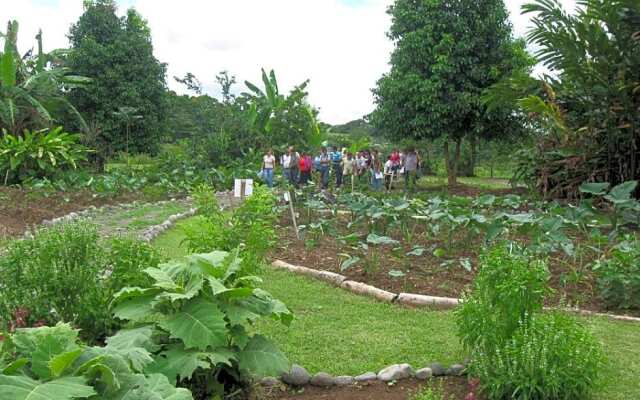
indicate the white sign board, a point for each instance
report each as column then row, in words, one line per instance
column 243, row 188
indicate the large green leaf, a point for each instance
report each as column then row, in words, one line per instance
column 178, row 363
column 162, row 279
column 135, row 309
column 152, row 387
column 622, row 192
column 59, row 364
column 381, row 240
column 8, row 60
column 48, row 349
column 24, row 388
column 15, row 366
column 199, row 324
column 134, row 345
column 598, row 189
column 262, row 358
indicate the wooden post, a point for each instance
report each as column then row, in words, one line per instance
column 293, row 214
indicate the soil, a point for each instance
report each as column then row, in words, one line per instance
column 21, row 209
column 453, row 388
column 471, row 191
column 428, row 274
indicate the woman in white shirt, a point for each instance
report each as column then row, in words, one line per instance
column 268, row 165
column 389, row 167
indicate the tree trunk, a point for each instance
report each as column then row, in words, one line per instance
column 452, row 163
column 474, row 155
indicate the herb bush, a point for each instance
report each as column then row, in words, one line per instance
column 65, row 273
column 197, row 316
column 250, row 226
column 517, row 351
column 619, row 275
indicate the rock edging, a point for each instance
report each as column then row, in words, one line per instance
column 298, row 376
column 154, row 231
column 411, row 299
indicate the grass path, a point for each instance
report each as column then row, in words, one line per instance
column 133, row 221
column 340, row 333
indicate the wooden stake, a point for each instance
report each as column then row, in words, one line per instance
column 293, row 215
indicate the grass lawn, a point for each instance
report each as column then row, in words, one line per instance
column 340, row 333
column 432, row 182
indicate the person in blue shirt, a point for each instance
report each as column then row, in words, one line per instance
column 336, row 164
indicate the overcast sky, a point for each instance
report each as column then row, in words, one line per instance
column 340, row 45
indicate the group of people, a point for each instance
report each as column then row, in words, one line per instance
column 300, row 168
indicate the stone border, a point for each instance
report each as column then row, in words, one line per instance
column 106, row 208
column 298, row 376
column 411, row 299
column 154, row 231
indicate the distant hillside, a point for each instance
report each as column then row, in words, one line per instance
column 356, row 127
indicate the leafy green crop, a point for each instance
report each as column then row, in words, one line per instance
column 39, row 153
column 200, row 311
column 48, row 363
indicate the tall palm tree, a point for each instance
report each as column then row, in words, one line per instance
column 32, row 87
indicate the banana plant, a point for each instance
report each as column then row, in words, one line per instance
column 264, row 103
column 31, row 87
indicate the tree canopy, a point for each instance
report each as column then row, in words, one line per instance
column 117, row 54
column 447, row 52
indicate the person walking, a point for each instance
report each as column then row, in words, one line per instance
column 268, row 165
column 324, row 161
column 336, row 163
column 411, row 161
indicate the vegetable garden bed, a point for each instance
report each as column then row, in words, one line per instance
column 431, row 246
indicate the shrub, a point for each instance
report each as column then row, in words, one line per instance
column 39, row 153
column 198, row 314
column 65, row 273
column 517, row 352
column 509, row 287
column 250, row 226
column 549, row 357
column 128, row 257
column 619, row 275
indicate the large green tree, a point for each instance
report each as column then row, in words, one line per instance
column 117, row 53
column 447, row 52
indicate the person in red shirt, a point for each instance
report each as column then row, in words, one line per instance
column 395, row 161
column 305, row 165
